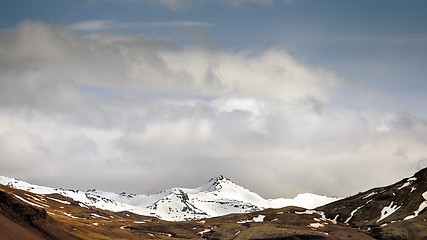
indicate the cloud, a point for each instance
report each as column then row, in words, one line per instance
column 175, row 5
column 174, row 24
column 180, row 5
column 258, row 2
column 95, row 25
column 115, row 111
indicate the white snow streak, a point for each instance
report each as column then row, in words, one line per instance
column 420, row 208
column 31, row 203
column 352, row 214
column 387, row 211
column 60, row 201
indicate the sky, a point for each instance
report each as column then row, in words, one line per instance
column 281, row 96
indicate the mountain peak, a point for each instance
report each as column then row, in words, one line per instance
column 219, row 196
column 219, row 179
column 215, row 183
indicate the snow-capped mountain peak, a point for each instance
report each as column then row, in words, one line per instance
column 219, row 196
column 217, row 183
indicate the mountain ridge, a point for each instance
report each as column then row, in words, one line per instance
column 395, row 211
column 218, row 196
column 401, row 205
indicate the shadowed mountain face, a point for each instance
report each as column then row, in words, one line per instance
column 398, row 210
column 10, row 230
column 19, row 220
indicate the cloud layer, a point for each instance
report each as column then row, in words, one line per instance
column 129, row 113
column 180, row 5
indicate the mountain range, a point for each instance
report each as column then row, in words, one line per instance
column 219, row 196
column 218, row 209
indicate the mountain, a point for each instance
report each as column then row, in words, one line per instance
column 219, row 196
column 26, row 215
column 397, row 211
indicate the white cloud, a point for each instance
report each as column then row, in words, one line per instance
column 175, row 5
column 257, row 110
column 240, row 2
column 95, row 25
column 174, row 24
column 180, row 5
column 113, row 111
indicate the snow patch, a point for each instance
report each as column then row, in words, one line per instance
column 420, row 208
column 207, row 230
column 404, row 185
column 98, row 216
column 352, row 214
column 304, row 200
column 322, row 215
column 408, row 182
column 369, row 195
column 306, row 212
column 259, row 218
column 31, row 203
column 71, row 215
column 387, row 211
column 316, row 225
column 60, row 201
column 36, row 199
column 84, row 206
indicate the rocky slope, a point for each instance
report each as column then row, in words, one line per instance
column 19, row 220
column 397, row 211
